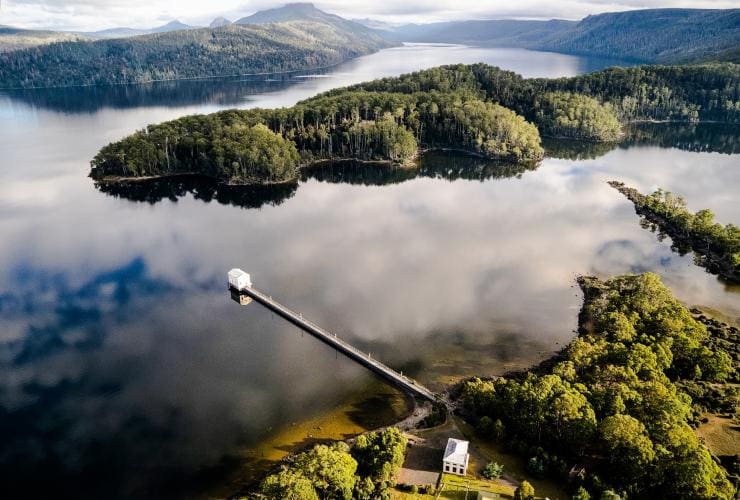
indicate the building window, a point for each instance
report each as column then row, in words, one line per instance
column 447, row 468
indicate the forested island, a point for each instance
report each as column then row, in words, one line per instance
column 477, row 109
column 267, row 146
column 716, row 247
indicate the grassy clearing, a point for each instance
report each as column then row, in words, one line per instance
column 721, row 435
column 484, row 451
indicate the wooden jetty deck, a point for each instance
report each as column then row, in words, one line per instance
column 401, row 381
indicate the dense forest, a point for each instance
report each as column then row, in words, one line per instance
column 715, row 246
column 612, row 402
column 373, row 126
column 575, row 116
column 705, row 92
column 477, row 108
column 196, row 53
column 337, row 471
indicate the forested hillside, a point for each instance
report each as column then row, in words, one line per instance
column 16, row 38
column 657, row 35
column 707, row 92
column 616, row 401
column 652, row 35
column 305, row 11
column 228, row 50
column 496, row 32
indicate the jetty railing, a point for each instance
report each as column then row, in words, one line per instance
column 405, row 383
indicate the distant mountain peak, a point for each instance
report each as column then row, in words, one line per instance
column 219, row 22
column 173, row 25
column 176, row 23
column 299, row 11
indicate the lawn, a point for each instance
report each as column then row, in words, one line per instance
column 453, row 483
column 459, row 488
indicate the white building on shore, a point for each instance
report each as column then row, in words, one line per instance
column 455, row 460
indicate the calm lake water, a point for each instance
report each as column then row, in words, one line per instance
column 127, row 371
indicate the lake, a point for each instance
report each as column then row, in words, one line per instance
column 127, row 370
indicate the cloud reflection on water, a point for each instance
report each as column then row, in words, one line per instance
column 124, row 364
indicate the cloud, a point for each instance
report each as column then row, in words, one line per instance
column 99, row 14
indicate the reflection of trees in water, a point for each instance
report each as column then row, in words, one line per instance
column 201, row 188
column 222, row 92
column 568, row 149
column 700, row 138
column 704, row 138
column 436, row 165
column 366, row 174
column 453, row 166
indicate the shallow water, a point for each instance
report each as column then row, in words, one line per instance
column 124, row 365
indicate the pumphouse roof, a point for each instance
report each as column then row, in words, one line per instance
column 456, row 452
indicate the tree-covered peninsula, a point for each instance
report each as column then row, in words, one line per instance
column 716, row 247
column 478, row 109
column 614, row 415
column 614, row 401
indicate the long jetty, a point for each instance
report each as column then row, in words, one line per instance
column 405, row 383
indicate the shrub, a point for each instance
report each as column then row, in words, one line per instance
column 536, row 467
column 493, row 470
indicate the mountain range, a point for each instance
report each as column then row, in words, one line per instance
column 126, row 32
column 318, row 38
column 650, row 35
column 18, row 38
column 304, row 38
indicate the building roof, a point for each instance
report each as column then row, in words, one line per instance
column 235, row 273
column 456, row 452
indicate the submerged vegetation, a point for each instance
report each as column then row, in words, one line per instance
column 611, row 402
column 716, row 247
column 478, row 109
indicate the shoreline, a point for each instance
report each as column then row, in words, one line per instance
column 190, row 78
column 410, row 163
column 713, row 262
column 418, row 411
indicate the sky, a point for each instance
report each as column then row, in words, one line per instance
column 100, row 14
